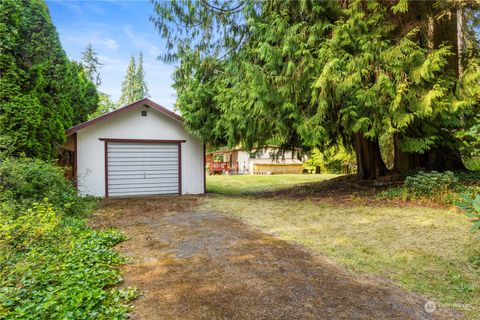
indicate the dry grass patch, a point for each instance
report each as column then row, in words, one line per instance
column 422, row 249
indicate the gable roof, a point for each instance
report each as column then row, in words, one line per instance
column 136, row 104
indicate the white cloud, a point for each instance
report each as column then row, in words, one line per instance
column 110, row 43
column 141, row 41
column 96, row 39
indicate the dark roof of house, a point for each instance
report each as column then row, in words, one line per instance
column 139, row 103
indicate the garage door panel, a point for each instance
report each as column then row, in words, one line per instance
column 143, row 153
column 127, row 171
column 142, row 168
column 143, row 150
column 144, row 192
column 142, row 145
column 140, row 188
column 163, row 181
column 147, row 156
column 124, row 176
column 143, row 162
column 119, row 191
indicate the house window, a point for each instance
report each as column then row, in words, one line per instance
column 144, row 113
column 253, row 155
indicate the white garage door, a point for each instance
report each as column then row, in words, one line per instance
column 142, row 168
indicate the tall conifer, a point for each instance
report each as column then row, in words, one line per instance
column 128, row 85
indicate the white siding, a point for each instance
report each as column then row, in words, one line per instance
column 131, row 125
column 243, row 161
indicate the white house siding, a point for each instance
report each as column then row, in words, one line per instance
column 131, row 125
column 264, row 156
column 243, row 160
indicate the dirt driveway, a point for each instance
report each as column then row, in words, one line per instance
column 192, row 264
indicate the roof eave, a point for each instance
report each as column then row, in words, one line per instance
column 136, row 104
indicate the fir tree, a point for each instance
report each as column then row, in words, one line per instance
column 82, row 93
column 91, row 65
column 128, row 93
column 141, row 90
column 134, row 87
column 105, row 105
column 311, row 73
column 42, row 93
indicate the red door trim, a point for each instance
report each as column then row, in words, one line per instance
column 178, row 142
column 141, row 140
column 179, row 169
column 75, row 161
column 106, row 169
column 204, row 168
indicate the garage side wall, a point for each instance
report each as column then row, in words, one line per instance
column 131, row 125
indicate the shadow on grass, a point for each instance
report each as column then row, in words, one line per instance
column 340, row 187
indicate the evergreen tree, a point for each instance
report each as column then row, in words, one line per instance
column 129, row 84
column 134, row 87
column 42, row 93
column 311, row 73
column 141, row 90
column 34, row 102
column 92, row 65
column 83, row 94
column 105, row 105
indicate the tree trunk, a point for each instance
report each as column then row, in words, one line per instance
column 460, row 38
column 402, row 161
column 369, row 160
column 445, row 32
column 443, row 159
column 439, row 159
column 430, row 32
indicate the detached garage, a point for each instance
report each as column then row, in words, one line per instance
column 140, row 149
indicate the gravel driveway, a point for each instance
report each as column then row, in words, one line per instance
column 192, row 264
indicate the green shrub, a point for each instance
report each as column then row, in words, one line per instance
column 445, row 188
column 330, row 160
column 53, row 266
column 472, row 163
column 25, row 181
column 431, row 184
column 471, row 208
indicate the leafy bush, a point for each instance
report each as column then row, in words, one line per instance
column 52, row 266
column 471, row 208
column 330, row 160
column 24, row 181
column 445, row 187
column 431, row 184
column 472, row 163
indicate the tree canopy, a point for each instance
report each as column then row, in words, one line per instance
column 314, row 73
column 91, row 64
column 134, row 86
column 42, row 92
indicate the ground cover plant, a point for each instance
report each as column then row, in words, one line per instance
column 52, row 265
column 443, row 188
column 424, row 249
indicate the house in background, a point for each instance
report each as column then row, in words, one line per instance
column 266, row 160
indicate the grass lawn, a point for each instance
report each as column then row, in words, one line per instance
column 247, row 184
column 425, row 250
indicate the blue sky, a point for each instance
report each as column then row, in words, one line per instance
column 116, row 30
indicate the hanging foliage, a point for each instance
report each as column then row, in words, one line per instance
column 313, row 73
